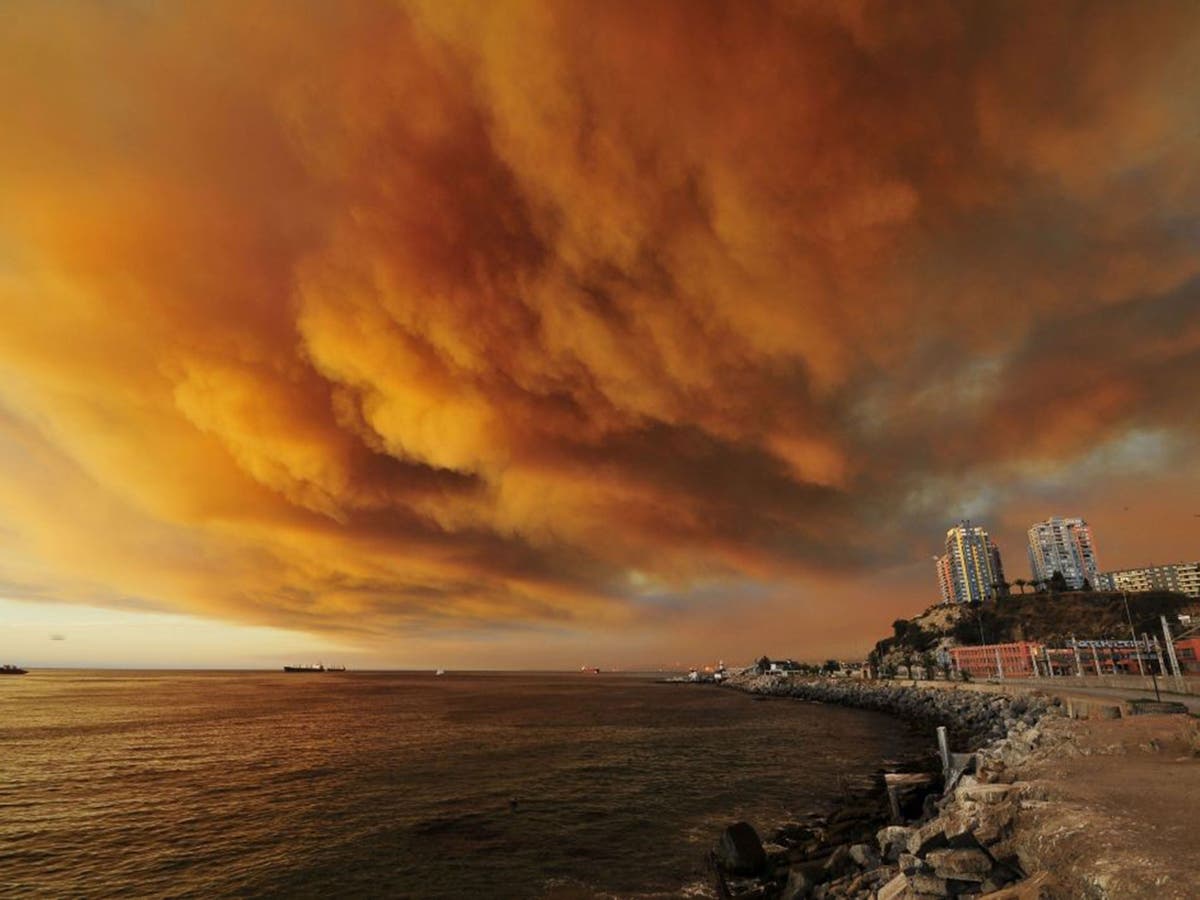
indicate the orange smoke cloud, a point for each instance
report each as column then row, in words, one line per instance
column 428, row 317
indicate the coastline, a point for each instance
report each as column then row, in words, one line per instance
column 1028, row 819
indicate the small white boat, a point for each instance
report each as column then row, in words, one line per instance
column 440, row 672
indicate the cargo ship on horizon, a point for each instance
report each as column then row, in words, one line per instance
column 319, row 667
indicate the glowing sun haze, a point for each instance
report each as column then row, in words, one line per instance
column 514, row 333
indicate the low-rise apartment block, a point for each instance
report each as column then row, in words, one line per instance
column 1181, row 577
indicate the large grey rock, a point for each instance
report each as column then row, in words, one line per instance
column 740, row 851
column 929, row 884
column 839, row 862
column 896, row 889
column 799, row 885
column 962, row 865
column 865, row 856
column 929, row 836
column 984, row 793
column 893, row 840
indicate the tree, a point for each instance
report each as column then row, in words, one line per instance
column 1086, row 586
column 831, row 666
column 900, row 627
column 928, row 662
column 1021, row 582
column 763, row 665
column 1058, row 582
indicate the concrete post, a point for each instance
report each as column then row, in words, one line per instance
column 1033, row 659
column 1078, row 664
column 1171, row 653
column 944, row 750
column 1000, row 665
column 1049, row 665
column 1096, row 660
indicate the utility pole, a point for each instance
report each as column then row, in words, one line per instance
column 1132, row 634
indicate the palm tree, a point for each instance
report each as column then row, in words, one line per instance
column 1021, row 582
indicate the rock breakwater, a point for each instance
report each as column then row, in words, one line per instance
column 958, row 843
column 973, row 718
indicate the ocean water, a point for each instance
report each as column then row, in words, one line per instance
column 219, row 784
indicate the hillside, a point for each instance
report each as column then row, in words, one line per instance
column 1051, row 618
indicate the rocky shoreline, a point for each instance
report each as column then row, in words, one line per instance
column 924, row 841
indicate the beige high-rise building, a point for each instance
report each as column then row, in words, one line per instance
column 970, row 569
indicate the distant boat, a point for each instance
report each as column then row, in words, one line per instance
column 440, row 672
column 12, row 670
column 319, row 667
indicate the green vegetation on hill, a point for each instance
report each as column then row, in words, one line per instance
column 1050, row 618
column 1055, row 618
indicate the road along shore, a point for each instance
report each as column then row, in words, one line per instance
column 1059, row 799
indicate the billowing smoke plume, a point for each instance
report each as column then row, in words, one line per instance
column 390, row 318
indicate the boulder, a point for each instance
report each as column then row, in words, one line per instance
column 995, row 822
column 929, row 884
column 896, row 889
column 928, row 837
column 962, row 865
column 984, row 793
column 839, row 862
column 799, row 885
column 740, row 851
column 893, row 840
column 865, row 856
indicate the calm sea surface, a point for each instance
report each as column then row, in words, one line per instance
column 139, row 784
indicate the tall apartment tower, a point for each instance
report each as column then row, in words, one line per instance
column 970, row 568
column 1063, row 545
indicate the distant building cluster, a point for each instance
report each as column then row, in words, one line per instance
column 1062, row 552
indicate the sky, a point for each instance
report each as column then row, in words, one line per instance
column 578, row 333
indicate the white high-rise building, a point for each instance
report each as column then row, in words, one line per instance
column 970, row 570
column 1066, row 546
